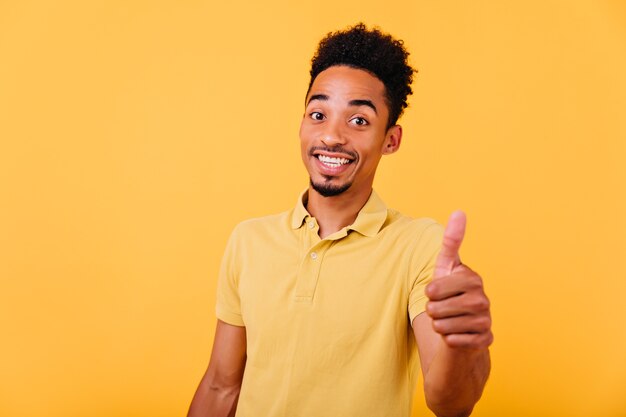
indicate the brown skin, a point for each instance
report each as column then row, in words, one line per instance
column 358, row 129
column 218, row 391
column 454, row 334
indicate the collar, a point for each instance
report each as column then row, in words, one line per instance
column 368, row 222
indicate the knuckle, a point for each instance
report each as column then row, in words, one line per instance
column 477, row 301
column 482, row 303
column 486, row 339
column 476, row 281
column 484, row 323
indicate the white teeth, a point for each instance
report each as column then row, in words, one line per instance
column 332, row 162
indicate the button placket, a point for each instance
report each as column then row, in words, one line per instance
column 308, row 273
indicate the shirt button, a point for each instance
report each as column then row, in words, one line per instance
column 313, row 255
column 311, row 224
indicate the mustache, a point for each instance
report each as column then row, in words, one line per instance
column 334, row 149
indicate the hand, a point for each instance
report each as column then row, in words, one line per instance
column 457, row 305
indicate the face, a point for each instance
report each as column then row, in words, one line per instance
column 344, row 132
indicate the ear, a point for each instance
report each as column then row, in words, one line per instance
column 393, row 137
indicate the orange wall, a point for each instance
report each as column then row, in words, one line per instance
column 134, row 135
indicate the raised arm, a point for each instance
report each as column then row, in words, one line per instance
column 454, row 334
column 218, row 391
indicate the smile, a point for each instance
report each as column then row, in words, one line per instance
column 332, row 162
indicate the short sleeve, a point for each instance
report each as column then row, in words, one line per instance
column 228, row 304
column 422, row 267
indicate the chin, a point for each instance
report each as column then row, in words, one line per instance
column 330, row 190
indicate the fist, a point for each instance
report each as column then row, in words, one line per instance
column 458, row 305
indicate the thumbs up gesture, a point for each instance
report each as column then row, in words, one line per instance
column 457, row 304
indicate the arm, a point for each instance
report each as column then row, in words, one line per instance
column 455, row 365
column 218, row 391
column 454, row 335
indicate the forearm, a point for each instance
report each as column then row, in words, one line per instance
column 455, row 380
column 218, row 392
column 214, row 400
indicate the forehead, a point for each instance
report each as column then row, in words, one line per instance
column 347, row 83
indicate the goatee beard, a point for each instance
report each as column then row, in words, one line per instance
column 329, row 190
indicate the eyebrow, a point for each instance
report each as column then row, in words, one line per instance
column 362, row 102
column 356, row 102
column 321, row 97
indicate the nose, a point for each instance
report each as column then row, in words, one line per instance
column 332, row 135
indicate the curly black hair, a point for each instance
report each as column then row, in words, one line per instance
column 375, row 52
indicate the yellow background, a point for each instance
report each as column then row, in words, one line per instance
column 135, row 135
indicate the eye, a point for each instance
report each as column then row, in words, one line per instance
column 359, row 121
column 316, row 115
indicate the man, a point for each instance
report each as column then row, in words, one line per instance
column 320, row 308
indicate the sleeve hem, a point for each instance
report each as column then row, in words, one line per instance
column 417, row 308
column 229, row 318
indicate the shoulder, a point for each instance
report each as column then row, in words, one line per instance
column 274, row 223
column 416, row 240
column 260, row 236
column 406, row 227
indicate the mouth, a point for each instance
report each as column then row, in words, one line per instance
column 332, row 161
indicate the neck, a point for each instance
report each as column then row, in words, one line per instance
column 335, row 213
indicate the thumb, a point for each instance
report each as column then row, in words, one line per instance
column 449, row 258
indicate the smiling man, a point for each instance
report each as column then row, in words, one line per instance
column 331, row 308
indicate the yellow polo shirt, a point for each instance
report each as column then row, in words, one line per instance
column 328, row 321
